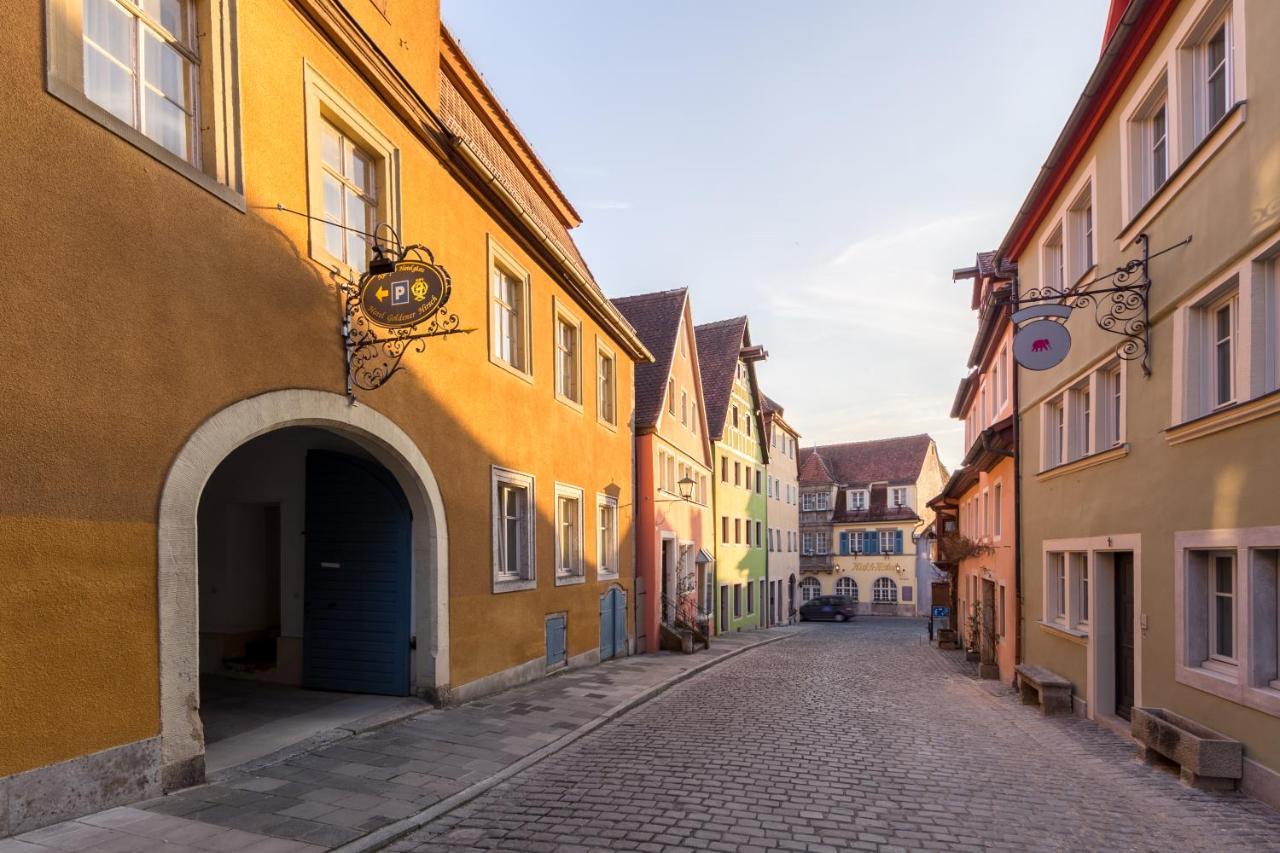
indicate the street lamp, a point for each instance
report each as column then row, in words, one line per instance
column 685, row 485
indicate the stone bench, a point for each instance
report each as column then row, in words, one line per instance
column 1206, row 759
column 1039, row 686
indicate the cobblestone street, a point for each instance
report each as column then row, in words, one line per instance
column 855, row 736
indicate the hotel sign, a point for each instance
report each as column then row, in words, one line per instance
column 411, row 293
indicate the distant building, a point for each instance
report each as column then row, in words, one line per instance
column 727, row 359
column 783, row 522
column 861, row 506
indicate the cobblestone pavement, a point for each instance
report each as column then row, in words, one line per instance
column 336, row 793
column 856, row 736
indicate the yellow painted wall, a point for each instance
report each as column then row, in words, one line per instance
column 174, row 305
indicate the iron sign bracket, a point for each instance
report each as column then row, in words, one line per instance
column 372, row 352
column 1122, row 309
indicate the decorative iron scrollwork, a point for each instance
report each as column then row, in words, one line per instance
column 1122, row 309
column 374, row 349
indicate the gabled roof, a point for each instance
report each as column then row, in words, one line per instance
column 719, row 345
column 656, row 319
column 896, row 461
column 813, row 468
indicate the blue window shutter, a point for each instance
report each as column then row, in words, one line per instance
column 844, row 543
column 869, row 544
column 898, row 542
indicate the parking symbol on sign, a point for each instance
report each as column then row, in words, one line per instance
column 400, row 293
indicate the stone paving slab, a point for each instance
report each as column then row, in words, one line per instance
column 341, row 792
column 847, row 737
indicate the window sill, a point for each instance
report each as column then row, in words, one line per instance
column 609, row 425
column 607, row 576
column 1224, row 419
column 81, row 104
column 570, row 402
column 510, row 368
column 570, row 580
column 1080, row 638
column 1182, row 174
column 501, row 586
column 1226, row 685
column 1084, row 462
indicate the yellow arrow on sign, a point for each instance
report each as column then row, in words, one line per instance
column 382, row 293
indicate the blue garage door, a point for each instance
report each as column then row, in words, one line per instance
column 358, row 572
column 613, row 623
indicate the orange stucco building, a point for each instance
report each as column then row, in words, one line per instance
column 189, row 493
column 674, row 522
column 977, row 507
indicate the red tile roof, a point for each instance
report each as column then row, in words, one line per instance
column 897, row 461
column 719, row 345
column 656, row 318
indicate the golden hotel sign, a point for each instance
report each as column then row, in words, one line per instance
column 406, row 296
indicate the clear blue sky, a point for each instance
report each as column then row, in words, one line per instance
column 818, row 166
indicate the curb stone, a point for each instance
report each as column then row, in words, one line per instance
column 380, row 838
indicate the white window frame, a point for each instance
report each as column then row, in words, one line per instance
column 561, row 315
column 527, row 578
column 807, row 501
column 997, row 523
column 893, row 497
column 608, row 552
column 857, row 499
column 884, row 591
column 501, row 262
column 606, row 397
column 1053, row 258
column 1149, row 146
column 569, row 569
column 1081, row 234
column 1055, row 588
column 810, row 589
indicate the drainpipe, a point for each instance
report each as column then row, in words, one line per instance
column 1018, row 637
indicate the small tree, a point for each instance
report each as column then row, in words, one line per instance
column 955, row 547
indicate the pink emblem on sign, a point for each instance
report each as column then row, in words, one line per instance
column 1041, row 345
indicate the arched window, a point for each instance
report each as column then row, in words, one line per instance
column 885, row 591
column 847, row 586
column 810, row 589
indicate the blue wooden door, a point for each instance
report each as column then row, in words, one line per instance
column 555, row 640
column 358, row 572
column 613, row 623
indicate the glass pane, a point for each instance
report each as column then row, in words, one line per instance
column 165, row 123
column 333, row 240
column 1223, row 321
column 108, row 85
column 331, row 148
column 360, row 171
column 1223, row 378
column 1222, row 576
column 357, row 244
column 172, row 15
column 164, row 69
column 111, row 28
column 1224, row 633
column 1218, row 47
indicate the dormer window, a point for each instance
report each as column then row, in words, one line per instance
column 856, row 499
column 898, row 496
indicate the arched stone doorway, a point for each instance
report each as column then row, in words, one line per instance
column 181, row 733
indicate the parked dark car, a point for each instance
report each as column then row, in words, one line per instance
column 835, row 607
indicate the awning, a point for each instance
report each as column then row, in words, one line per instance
column 704, row 557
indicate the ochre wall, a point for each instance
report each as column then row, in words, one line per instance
column 172, row 305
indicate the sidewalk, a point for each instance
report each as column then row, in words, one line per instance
column 368, row 788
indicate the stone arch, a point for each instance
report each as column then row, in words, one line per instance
column 181, row 733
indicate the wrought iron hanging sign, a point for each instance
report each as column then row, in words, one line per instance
column 396, row 306
column 1042, row 340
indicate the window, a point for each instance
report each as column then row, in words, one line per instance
column 806, row 544
column 822, row 544
column 724, row 529
column 737, row 531
column 996, row 519
column 735, row 417
column 857, row 499
column 350, row 198
column 671, row 396
column 986, row 513
column 724, row 469
column 759, row 534
column 759, row 483
column 157, row 73
column 693, row 418
column 568, row 534
column 1221, row 327
column 809, row 589
column 737, row 473
column 808, row 501
column 1053, row 274
column 1078, row 572
column 751, row 599
column 568, row 358
column 746, row 426
column 1149, row 146
column 737, row 601
column 999, row 378
column 898, row 496
column 823, row 501
column 607, row 537
column 606, row 383
column 847, row 587
column 1056, row 588
column 1222, row 597
column 1082, row 413
column 1080, row 234
column 684, row 408
column 1206, row 66
column 1054, row 433
column 884, row 591
column 888, row 539
column 509, row 300
column 513, row 563
column 1111, row 389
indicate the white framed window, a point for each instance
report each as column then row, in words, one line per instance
column 353, row 179
column 1080, row 234
column 1000, row 378
column 884, row 591
column 1081, row 434
column 809, row 590
column 671, row 397
column 898, row 496
column 986, row 513
column 998, row 509
column 606, row 537
column 1222, row 607
column 1149, row 154
column 568, row 338
column 806, row 544
column 1066, row 589
column 684, row 408
column 569, row 567
column 822, row 544
column 1222, row 330
column 808, row 501
column 1078, row 575
column 606, row 385
column 888, row 541
column 509, row 310
column 1055, row 433
column 847, row 587
column 823, row 501
column 1207, row 74
column 1056, row 588
column 857, row 499
column 693, row 418
column 1111, row 405
column 513, row 530
column 1053, row 258
column 160, row 74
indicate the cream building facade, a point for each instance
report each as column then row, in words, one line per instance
column 783, row 514
column 1151, row 523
